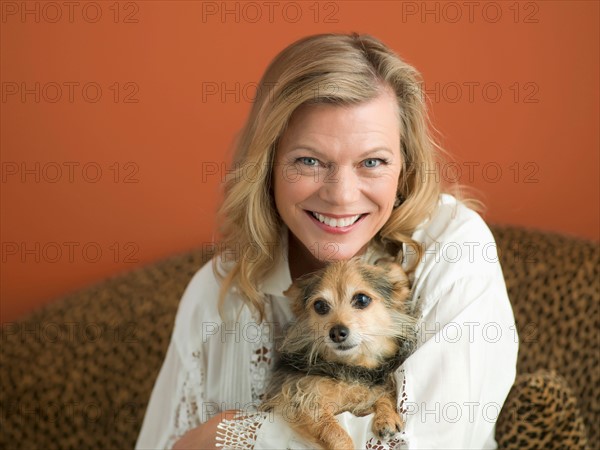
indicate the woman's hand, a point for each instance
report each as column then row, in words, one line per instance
column 203, row 436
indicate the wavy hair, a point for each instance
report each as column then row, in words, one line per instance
column 337, row 69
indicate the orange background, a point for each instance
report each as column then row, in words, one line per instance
column 118, row 171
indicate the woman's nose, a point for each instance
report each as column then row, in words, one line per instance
column 340, row 186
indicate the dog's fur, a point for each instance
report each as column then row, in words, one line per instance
column 341, row 355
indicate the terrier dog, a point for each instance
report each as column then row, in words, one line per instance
column 353, row 329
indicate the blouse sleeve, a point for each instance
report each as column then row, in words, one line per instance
column 457, row 380
column 206, row 365
column 176, row 402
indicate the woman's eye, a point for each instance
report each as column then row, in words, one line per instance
column 321, row 307
column 373, row 162
column 308, row 161
column 361, row 300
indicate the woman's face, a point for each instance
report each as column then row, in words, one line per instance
column 336, row 175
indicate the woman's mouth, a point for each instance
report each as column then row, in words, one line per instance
column 336, row 224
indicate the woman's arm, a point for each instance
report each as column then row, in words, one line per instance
column 175, row 417
column 458, row 379
column 175, row 403
column 202, row 373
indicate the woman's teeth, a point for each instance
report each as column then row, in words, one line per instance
column 338, row 223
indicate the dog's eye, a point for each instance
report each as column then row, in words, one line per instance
column 321, row 307
column 361, row 301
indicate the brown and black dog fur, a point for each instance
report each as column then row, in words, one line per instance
column 353, row 329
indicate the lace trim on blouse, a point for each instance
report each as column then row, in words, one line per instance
column 261, row 364
column 187, row 413
column 240, row 432
column 397, row 442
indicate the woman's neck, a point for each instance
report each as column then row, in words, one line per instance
column 301, row 260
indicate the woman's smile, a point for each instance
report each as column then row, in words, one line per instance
column 336, row 224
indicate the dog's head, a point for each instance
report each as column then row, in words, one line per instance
column 351, row 312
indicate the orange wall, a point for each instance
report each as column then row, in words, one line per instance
column 113, row 115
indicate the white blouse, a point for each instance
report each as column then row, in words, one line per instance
column 450, row 390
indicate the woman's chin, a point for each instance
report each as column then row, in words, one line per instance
column 334, row 251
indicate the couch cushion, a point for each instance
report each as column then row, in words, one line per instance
column 540, row 412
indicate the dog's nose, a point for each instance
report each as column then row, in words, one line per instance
column 339, row 333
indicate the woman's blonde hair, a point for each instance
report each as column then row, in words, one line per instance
column 326, row 68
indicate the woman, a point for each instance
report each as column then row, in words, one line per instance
column 337, row 160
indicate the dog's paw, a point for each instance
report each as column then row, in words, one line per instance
column 386, row 426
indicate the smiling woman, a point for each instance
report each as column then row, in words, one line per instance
column 346, row 164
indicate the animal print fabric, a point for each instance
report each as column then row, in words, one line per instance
column 541, row 412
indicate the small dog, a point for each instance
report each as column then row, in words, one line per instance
column 354, row 328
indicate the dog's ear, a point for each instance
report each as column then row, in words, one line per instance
column 396, row 275
column 301, row 290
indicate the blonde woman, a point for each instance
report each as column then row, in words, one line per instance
column 337, row 160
